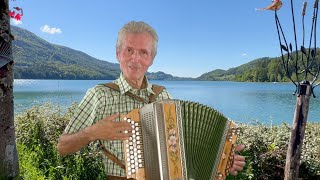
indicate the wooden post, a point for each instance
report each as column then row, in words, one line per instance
column 9, row 166
column 297, row 131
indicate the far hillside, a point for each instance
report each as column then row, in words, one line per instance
column 264, row 69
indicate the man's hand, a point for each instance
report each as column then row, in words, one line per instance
column 105, row 129
column 108, row 129
column 238, row 161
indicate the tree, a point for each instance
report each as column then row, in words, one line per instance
column 9, row 166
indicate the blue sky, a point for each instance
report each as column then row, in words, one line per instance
column 194, row 36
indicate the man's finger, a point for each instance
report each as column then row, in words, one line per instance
column 239, row 158
column 122, row 136
column 233, row 172
column 111, row 117
column 239, row 147
column 239, row 163
column 237, row 168
column 122, row 125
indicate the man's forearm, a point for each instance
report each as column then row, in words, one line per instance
column 71, row 143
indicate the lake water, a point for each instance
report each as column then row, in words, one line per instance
column 240, row 101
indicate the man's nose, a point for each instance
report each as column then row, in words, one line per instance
column 135, row 56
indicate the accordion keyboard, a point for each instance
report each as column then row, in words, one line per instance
column 133, row 149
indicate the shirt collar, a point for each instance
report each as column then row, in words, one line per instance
column 124, row 86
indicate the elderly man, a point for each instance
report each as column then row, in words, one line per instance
column 97, row 117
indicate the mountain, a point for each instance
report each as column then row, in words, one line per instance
column 163, row 76
column 36, row 58
column 264, row 69
column 232, row 73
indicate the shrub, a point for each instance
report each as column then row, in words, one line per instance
column 266, row 150
column 37, row 132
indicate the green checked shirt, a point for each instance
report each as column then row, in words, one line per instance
column 100, row 102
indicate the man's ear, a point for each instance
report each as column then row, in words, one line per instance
column 118, row 55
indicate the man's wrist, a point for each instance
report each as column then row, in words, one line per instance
column 88, row 133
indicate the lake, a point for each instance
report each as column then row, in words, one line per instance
column 240, row 101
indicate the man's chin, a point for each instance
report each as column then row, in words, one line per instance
column 134, row 76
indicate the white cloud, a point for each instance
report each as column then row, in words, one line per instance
column 15, row 22
column 244, row 54
column 50, row 30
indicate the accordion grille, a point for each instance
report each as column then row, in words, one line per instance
column 204, row 131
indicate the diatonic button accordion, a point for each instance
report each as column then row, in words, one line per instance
column 179, row 140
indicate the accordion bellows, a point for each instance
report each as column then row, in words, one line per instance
column 174, row 139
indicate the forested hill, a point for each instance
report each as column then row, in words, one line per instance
column 36, row 58
column 260, row 70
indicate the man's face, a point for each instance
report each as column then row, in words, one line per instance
column 135, row 55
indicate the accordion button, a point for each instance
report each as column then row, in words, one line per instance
column 139, row 156
column 129, row 173
column 223, row 156
column 138, row 142
column 140, row 165
column 132, row 122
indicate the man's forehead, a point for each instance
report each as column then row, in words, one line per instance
column 138, row 40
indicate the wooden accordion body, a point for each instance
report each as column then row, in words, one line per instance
column 179, row 140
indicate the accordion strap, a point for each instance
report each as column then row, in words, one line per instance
column 112, row 157
column 156, row 89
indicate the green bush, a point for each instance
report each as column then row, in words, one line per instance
column 266, row 150
column 38, row 130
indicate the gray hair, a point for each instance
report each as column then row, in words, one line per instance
column 138, row 27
